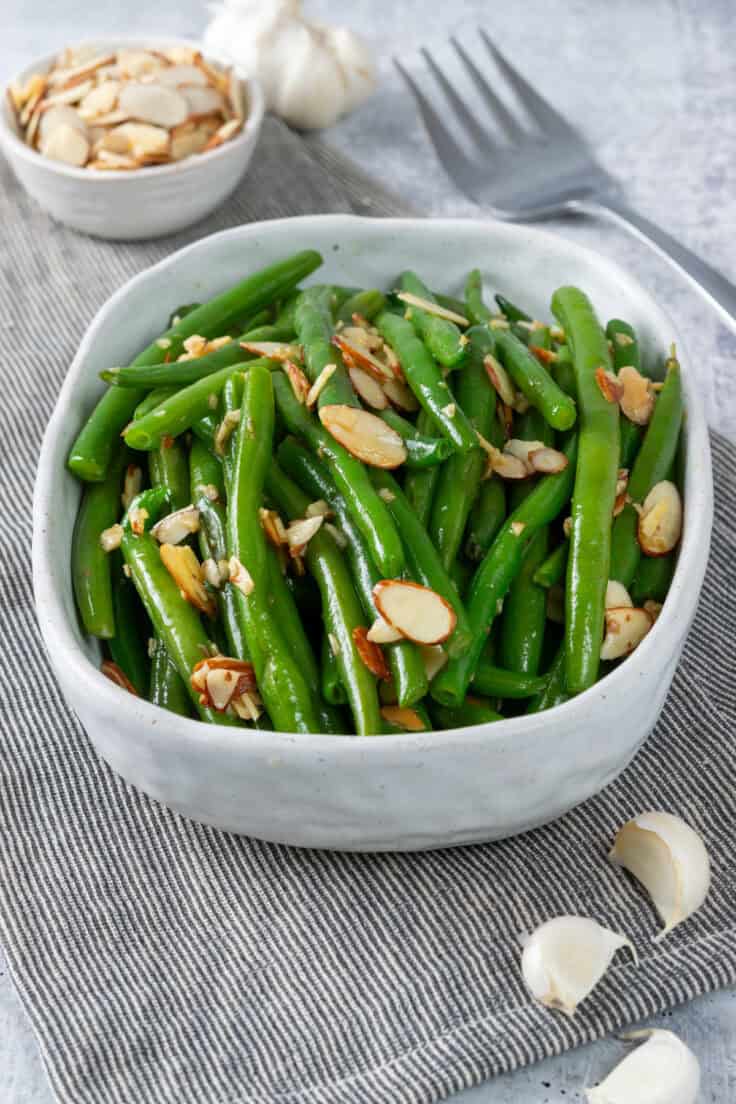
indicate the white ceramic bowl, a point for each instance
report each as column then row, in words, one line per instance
column 398, row 792
column 132, row 205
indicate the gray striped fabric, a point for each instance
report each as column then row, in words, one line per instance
column 161, row 961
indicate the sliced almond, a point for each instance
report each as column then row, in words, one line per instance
column 113, row 118
column 617, row 596
column 202, row 101
column 176, row 527
column 626, row 627
column 106, row 160
column 57, row 116
column 637, row 400
column 660, row 520
column 610, row 386
column 544, row 356
column 432, row 308
column 240, row 577
column 70, row 95
column 221, row 685
column 236, row 95
column 181, row 74
column 297, row 379
column 247, row 706
column 273, row 527
column 434, row 658
column 381, row 632
column 370, row 653
column 359, row 355
column 153, row 103
column 523, row 450
column 33, row 128
column 301, row 531
column 274, row 350
column 500, row 380
column 184, row 568
column 653, row 608
column 100, row 100
column 318, row 508
column 505, row 416
column 418, row 613
column 131, row 484
column 400, row 396
column 368, row 388
column 117, row 675
column 364, row 435
column 186, row 143
column 548, row 461
column 224, row 133
column 181, row 55
column 84, row 69
column 66, row 144
column 111, row 538
column 137, row 63
column 320, row 383
column 402, row 717
column 139, row 140
column 225, row 430
column 506, row 465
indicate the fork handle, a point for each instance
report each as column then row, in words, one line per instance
column 711, row 283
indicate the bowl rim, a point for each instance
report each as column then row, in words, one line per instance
column 672, row 622
column 251, row 126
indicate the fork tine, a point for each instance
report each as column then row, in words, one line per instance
column 510, row 126
column 448, row 151
column 461, row 109
column 546, row 117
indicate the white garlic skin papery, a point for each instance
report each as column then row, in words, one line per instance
column 311, row 74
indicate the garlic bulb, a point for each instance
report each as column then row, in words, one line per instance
column 662, row 1071
column 311, row 75
column 669, row 858
column 565, row 958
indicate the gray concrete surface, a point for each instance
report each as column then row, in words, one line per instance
column 654, row 86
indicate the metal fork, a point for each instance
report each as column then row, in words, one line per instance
column 543, row 168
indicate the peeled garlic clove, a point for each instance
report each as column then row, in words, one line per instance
column 662, row 1071
column 565, row 958
column 669, row 858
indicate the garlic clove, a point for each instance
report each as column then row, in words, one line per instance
column 356, row 63
column 670, row 860
column 565, row 958
column 662, row 1071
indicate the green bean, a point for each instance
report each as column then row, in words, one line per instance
column 205, row 428
column 91, row 452
column 284, row 319
column 421, row 452
column 652, row 579
column 625, row 351
column 99, row 510
column 498, row 570
column 404, row 659
column 451, row 302
column 425, row 380
column 129, row 646
column 473, row 711
column 283, row 687
column 153, row 398
column 314, row 330
column 365, row 303
column 653, row 464
column 555, row 692
column 168, row 467
column 511, row 311
column 420, row 484
column 552, row 570
column 442, row 337
column 174, row 620
column 564, row 372
column 535, row 382
column 496, row 682
column 213, row 546
column 460, row 477
column 422, row 557
column 341, row 610
column 477, row 311
column 486, row 518
column 180, row 412
column 166, row 688
column 205, row 473
column 461, row 572
column 594, row 493
column 333, row 690
column 255, row 321
column 367, row 509
column 181, row 312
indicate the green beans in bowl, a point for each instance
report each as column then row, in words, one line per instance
column 320, row 503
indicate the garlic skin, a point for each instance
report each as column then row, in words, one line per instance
column 565, row 958
column 662, row 1071
column 310, row 74
column 670, row 860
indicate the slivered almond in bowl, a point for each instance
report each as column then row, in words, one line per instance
column 98, row 113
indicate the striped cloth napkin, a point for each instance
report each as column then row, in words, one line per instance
column 163, row 962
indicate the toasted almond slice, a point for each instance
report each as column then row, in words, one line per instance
column 368, row 388
column 432, row 308
column 370, row 653
column 193, row 140
column 660, row 520
column 33, row 89
column 117, row 675
column 400, row 396
column 111, row 538
column 240, row 577
column 132, row 484
column 221, row 685
column 236, row 95
column 113, row 118
column 360, row 356
column 273, row 527
column 33, row 127
column 364, row 435
column 507, row 466
column 517, row 527
column 434, row 658
column 33, row 93
column 318, row 508
column 112, row 162
column 402, row 717
column 381, row 632
column 138, row 516
column 274, row 350
column 71, row 95
column 101, row 100
column 181, row 55
column 567, row 527
column 85, row 68
column 212, row 574
column 181, row 74
column 653, row 608
column 637, row 400
column 363, row 334
column 225, row 430
column 139, row 140
column 418, row 613
column 505, row 415
column 176, row 527
column 320, row 383
column 500, row 380
column 66, row 144
column 202, row 101
column 61, row 115
column 183, row 566
column 617, row 596
column 544, row 356
column 301, row 531
column 523, row 450
column 610, row 387
column 224, row 133
column 153, row 103
column 136, row 63
column 548, row 461
column 621, row 491
column 297, row 379
column 626, row 627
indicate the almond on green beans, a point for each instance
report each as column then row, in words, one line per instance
column 118, row 676
column 381, row 632
column 184, row 568
column 637, row 398
column 415, row 611
column 176, row 527
column 660, row 520
column 358, row 353
column 364, row 435
column 274, row 350
column 403, row 717
column 429, row 307
column 368, row 388
column 370, row 653
column 626, row 627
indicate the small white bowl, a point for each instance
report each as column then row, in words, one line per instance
column 402, row 792
column 141, row 203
